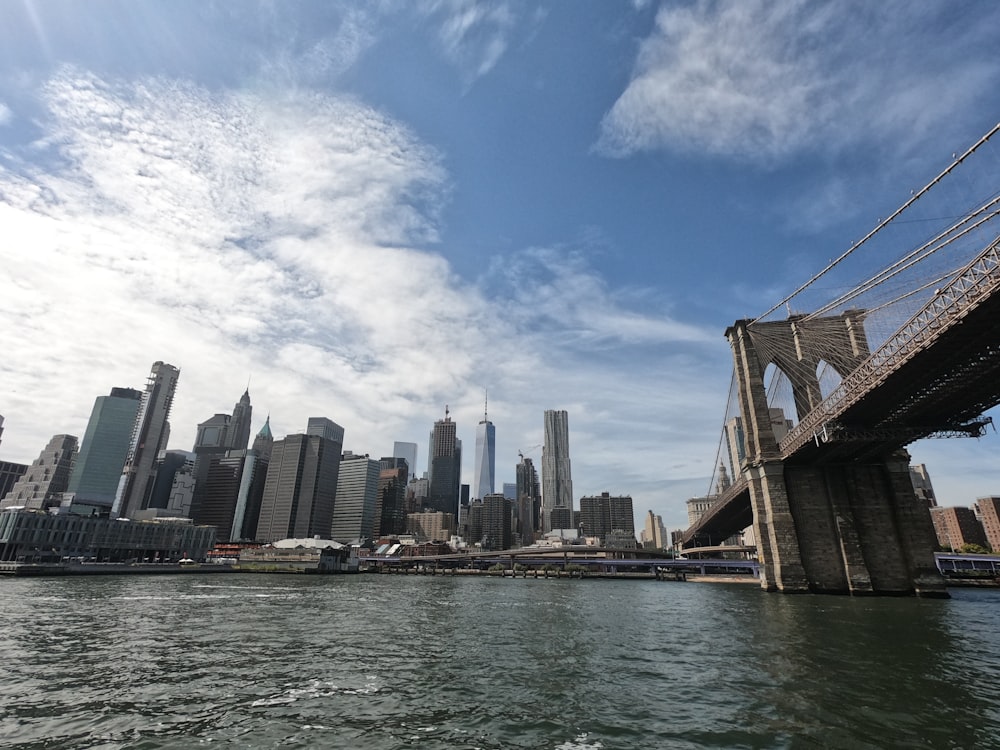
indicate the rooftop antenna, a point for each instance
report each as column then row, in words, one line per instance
column 446, row 412
column 486, row 403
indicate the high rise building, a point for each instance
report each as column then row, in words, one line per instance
column 608, row 518
column 989, row 512
column 409, row 452
column 956, row 527
column 220, row 450
column 98, row 467
column 390, row 514
column 557, row 480
column 445, row 467
column 47, row 478
column 357, row 494
column 497, row 512
column 149, row 436
column 922, row 486
column 301, row 484
column 252, row 486
column 529, row 501
column 10, row 472
column 654, row 534
column 484, row 478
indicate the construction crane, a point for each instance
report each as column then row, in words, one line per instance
column 521, row 453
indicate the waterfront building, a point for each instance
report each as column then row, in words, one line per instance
column 409, row 452
column 989, row 514
column 445, row 456
column 604, row 516
column 149, row 437
column 497, row 526
column 42, row 485
column 473, row 528
column 430, row 526
column 557, row 480
column 98, row 467
column 654, row 534
column 484, row 476
column 98, row 539
column 310, row 555
column 957, row 526
column 301, row 484
column 357, row 497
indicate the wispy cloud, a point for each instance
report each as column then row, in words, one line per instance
column 473, row 35
column 762, row 81
column 278, row 238
column 5, row 114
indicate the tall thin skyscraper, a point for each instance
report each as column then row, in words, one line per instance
column 484, row 480
column 98, row 466
column 557, row 480
column 445, row 467
column 149, row 437
column 529, row 504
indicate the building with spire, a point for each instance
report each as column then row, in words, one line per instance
column 484, row 479
column 557, row 479
column 445, row 475
column 220, row 450
column 149, row 437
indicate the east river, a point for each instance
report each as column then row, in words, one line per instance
column 369, row 661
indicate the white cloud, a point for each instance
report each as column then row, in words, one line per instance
column 242, row 237
column 762, row 81
column 5, row 114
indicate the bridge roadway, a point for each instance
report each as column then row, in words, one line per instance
column 937, row 375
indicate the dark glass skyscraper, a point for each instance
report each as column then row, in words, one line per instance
column 98, row 468
column 445, row 467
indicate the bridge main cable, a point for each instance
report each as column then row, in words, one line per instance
column 882, row 224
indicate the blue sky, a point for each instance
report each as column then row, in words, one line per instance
column 371, row 210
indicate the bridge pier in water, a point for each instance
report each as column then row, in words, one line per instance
column 826, row 525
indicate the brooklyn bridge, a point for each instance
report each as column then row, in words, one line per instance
column 895, row 340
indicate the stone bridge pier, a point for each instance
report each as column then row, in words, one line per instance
column 823, row 525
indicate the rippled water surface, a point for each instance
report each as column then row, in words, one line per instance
column 371, row 661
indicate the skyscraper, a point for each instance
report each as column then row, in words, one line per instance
column 484, row 479
column 557, row 481
column 220, row 451
column 409, row 452
column 354, row 507
column 445, row 467
column 98, row 468
column 149, row 437
column 301, row 484
column 654, row 535
column 497, row 511
column 528, row 501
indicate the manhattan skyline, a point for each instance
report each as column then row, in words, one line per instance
column 371, row 211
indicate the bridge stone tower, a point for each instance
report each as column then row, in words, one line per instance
column 826, row 521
